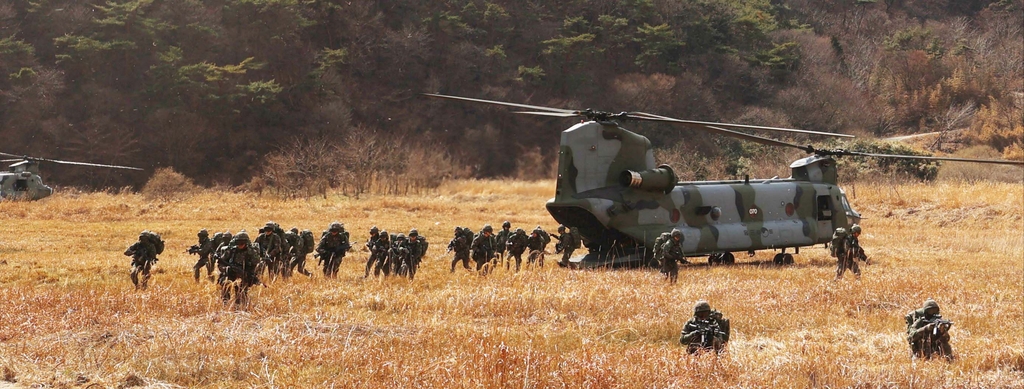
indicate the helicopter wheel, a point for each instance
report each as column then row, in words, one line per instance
column 787, row 259
column 714, row 259
column 779, row 259
column 728, row 259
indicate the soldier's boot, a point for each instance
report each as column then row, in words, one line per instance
column 369, row 264
column 209, row 269
column 135, row 276
column 195, row 271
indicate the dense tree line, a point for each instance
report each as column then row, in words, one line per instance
column 227, row 90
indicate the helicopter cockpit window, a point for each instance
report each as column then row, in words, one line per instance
column 824, row 208
column 21, row 185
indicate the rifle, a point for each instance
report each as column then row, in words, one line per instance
column 708, row 331
column 940, row 326
column 194, row 249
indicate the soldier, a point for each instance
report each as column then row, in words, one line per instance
column 238, row 269
column 928, row 332
column 332, row 247
column 308, row 245
column 706, row 331
column 846, row 248
column 204, row 249
column 400, row 254
column 483, row 247
column 500, row 239
column 270, row 248
column 535, row 243
column 383, row 246
column 659, row 255
column 566, row 244
column 143, row 255
column 460, row 245
column 292, row 245
column 516, row 245
column 417, row 249
column 544, row 236
column 672, row 254
column 378, row 253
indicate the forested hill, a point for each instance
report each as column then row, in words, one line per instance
column 221, row 89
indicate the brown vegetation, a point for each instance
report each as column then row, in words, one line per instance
column 71, row 318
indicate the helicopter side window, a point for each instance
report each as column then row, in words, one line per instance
column 20, row 185
column 824, row 208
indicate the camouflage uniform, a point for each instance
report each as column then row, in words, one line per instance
column 672, row 254
column 849, row 252
column 294, row 245
column 706, row 331
column 544, row 236
column 400, row 255
column 659, row 255
column 566, row 244
column 143, row 255
column 460, row 245
column 516, row 246
column 332, row 247
column 500, row 239
column 204, row 249
column 269, row 244
column 417, row 249
column 927, row 333
column 239, row 265
column 308, row 244
column 535, row 243
column 483, row 247
column 378, row 246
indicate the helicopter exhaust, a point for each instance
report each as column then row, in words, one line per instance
column 660, row 179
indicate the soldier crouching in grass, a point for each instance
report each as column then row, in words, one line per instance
column 238, row 266
column 708, row 330
column 928, row 332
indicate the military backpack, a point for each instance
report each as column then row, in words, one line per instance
column 838, row 244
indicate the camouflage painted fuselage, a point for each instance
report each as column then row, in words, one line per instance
column 23, row 183
column 610, row 188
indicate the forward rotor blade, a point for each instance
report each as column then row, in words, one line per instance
column 555, row 114
column 87, row 164
column 758, row 139
column 536, row 107
column 10, row 155
column 649, row 116
column 11, row 160
column 993, row 161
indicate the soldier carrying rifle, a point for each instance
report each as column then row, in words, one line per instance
column 203, row 249
column 331, row 250
column 238, row 264
column 928, row 332
column 708, row 330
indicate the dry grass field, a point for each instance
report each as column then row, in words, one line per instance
column 69, row 316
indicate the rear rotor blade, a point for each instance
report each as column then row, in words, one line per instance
column 536, row 107
column 993, row 161
column 653, row 117
column 10, row 155
column 87, row 164
column 758, row 139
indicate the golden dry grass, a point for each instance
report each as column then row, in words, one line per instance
column 69, row 316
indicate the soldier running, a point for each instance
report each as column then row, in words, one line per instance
column 460, row 244
column 672, row 254
column 483, row 248
column 238, row 270
column 270, row 248
column 143, row 255
column 378, row 246
column 332, row 248
column 516, row 246
column 500, row 239
column 204, row 249
column 566, row 244
column 536, row 243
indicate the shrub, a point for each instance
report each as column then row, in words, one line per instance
column 168, row 184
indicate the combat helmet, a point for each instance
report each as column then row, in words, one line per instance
column 930, row 304
column 203, row 233
column 242, row 236
column 374, row 230
column 561, row 228
column 506, row 224
column 855, row 229
column 519, row 231
column 488, row 228
column 414, row 232
column 227, row 235
column 458, row 229
column 702, row 306
column 335, row 226
column 295, row 230
column 676, row 233
column 400, row 236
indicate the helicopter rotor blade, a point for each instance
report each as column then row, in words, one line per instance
column 857, row 153
column 12, row 155
column 555, row 114
column 87, row 164
column 653, row 117
column 758, row 139
column 536, row 107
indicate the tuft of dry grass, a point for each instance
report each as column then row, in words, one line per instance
column 69, row 316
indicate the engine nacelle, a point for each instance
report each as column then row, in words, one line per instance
column 660, row 179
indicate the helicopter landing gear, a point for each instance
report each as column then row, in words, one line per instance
column 783, row 259
column 721, row 259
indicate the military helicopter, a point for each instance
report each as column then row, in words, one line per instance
column 610, row 188
column 23, row 182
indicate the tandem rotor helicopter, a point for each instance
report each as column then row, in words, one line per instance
column 23, row 182
column 610, row 188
